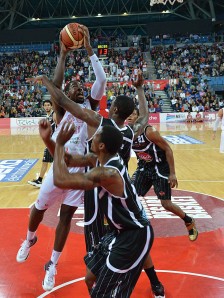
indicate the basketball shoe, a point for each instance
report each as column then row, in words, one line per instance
column 158, row 291
column 192, row 230
column 49, row 279
column 24, row 250
column 35, row 182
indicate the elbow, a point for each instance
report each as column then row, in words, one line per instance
column 58, row 181
column 103, row 81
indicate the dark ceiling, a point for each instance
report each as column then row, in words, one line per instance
column 20, row 14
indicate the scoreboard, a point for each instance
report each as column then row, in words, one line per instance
column 102, row 50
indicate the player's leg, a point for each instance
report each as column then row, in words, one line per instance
column 163, row 191
column 47, row 158
column 222, row 142
column 156, row 285
column 90, row 279
column 94, row 228
column 45, row 199
column 71, row 200
column 142, row 181
column 122, row 267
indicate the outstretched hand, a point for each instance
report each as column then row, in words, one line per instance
column 66, row 132
column 45, row 129
column 140, row 80
column 35, row 80
column 63, row 48
column 85, row 31
column 173, row 181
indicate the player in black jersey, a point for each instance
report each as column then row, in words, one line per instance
column 120, row 109
column 117, row 261
column 47, row 158
column 156, row 167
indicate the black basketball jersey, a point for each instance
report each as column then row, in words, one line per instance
column 51, row 120
column 128, row 136
column 124, row 212
column 148, row 153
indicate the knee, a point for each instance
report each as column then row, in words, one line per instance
column 166, row 204
column 66, row 215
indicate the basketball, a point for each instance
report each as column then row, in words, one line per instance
column 72, row 36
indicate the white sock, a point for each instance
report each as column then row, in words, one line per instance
column 30, row 235
column 55, row 256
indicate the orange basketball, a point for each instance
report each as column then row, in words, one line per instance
column 72, row 36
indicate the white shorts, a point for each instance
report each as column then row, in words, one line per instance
column 49, row 193
column 222, row 142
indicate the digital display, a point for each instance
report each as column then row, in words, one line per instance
column 102, row 50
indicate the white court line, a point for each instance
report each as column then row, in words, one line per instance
column 196, row 149
column 210, row 181
column 16, row 185
column 19, row 153
column 164, row 271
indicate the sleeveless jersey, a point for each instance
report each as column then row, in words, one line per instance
column 51, row 120
column 126, row 212
column 148, row 153
column 222, row 122
column 128, row 136
column 77, row 143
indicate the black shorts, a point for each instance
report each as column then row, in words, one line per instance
column 118, row 260
column 47, row 156
column 94, row 228
column 144, row 178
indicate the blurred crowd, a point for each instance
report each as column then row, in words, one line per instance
column 189, row 66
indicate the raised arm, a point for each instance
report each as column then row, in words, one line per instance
column 98, row 88
column 90, row 117
column 142, row 120
column 59, row 77
column 107, row 177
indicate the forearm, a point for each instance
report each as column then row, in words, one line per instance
column 89, row 50
column 50, row 144
column 142, row 120
column 59, row 97
column 60, row 70
column 98, row 88
column 143, row 107
column 62, row 177
column 170, row 160
column 60, row 169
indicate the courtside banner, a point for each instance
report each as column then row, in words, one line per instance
column 25, row 130
column 154, row 118
column 21, row 122
column 4, row 123
column 13, row 170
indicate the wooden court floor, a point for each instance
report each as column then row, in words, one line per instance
column 187, row 269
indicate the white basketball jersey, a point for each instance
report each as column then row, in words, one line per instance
column 77, row 143
column 222, row 121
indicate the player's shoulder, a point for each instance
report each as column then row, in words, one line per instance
column 150, row 128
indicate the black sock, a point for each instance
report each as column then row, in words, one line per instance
column 40, row 179
column 187, row 219
column 151, row 273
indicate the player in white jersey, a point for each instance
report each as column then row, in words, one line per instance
column 220, row 119
column 49, row 193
